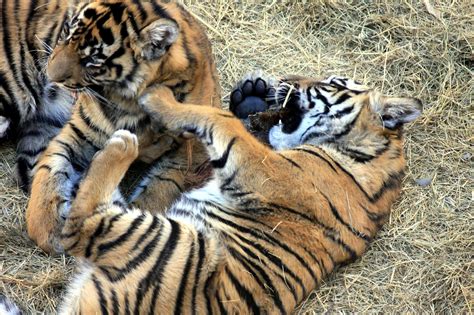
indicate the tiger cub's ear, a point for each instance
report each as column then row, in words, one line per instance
column 156, row 38
column 396, row 111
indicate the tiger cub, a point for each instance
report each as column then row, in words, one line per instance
column 270, row 225
column 32, row 108
column 109, row 52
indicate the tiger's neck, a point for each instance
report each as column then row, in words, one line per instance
column 376, row 167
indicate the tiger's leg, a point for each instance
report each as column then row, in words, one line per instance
column 231, row 147
column 129, row 253
column 56, row 175
column 104, row 175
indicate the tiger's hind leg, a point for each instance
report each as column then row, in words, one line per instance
column 107, row 169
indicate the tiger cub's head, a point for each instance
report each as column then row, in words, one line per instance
column 339, row 111
column 117, row 45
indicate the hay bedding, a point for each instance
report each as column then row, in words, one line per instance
column 422, row 261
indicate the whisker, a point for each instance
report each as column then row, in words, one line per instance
column 48, row 48
column 100, row 98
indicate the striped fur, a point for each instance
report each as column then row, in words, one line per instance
column 269, row 226
column 108, row 52
column 32, row 108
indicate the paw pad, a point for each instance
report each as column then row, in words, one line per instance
column 251, row 96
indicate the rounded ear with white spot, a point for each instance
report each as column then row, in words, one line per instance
column 396, row 111
column 156, row 38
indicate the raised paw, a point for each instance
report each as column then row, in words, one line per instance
column 122, row 145
column 156, row 99
column 251, row 95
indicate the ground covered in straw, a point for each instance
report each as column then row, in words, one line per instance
column 422, row 261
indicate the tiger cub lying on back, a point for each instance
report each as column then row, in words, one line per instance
column 109, row 52
column 260, row 236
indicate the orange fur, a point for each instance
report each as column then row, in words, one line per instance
column 186, row 66
column 256, row 239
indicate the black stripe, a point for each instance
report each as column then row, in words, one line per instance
column 206, row 290
column 61, row 155
column 140, row 8
column 29, row 20
column 23, row 65
column 243, row 292
column 322, row 98
column 328, row 232
column 242, row 215
column 276, row 261
column 112, row 221
column 147, row 251
column 225, row 184
column 317, row 155
column 358, row 156
column 127, row 305
column 373, row 216
column 93, row 238
column 77, row 165
column 222, row 161
column 155, row 276
column 82, row 136
column 393, row 181
column 341, row 99
column 353, row 230
column 348, row 127
column 44, row 167
column 68, row 249
column 32, row 152
column 189, row 55
column 160, row 11
column 115, row 303
column 319, row 262
column 52, row 34
column 89, row 122
column 184, row 281
column 175, row 183
column 100, row 292
column 8, row 89
column 219, row 300
column 266, row 284
column 291, row 161
column 135, row 225
column 148, row 232
column 201, row 257
column 6, row 40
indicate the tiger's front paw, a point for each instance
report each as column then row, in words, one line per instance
column 253, row 94
column 157, row 100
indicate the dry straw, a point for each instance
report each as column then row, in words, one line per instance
column 422, row 261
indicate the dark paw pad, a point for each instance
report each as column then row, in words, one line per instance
column 250, row 97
